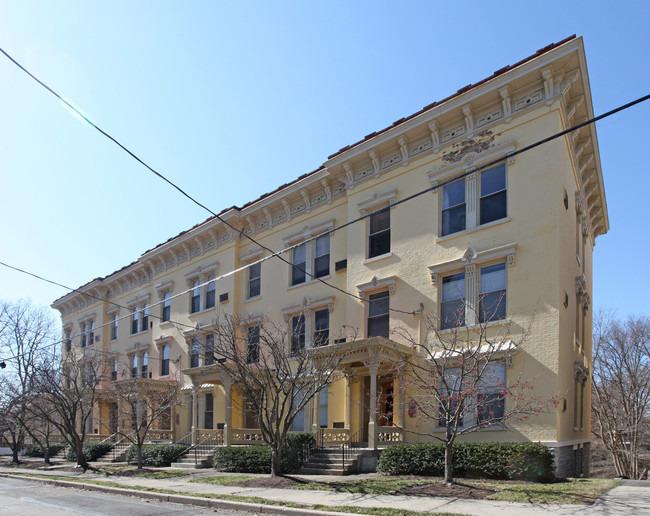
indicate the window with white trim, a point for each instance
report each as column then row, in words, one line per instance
column 379, row 233
column 311, row 259
column 210, row 294
column 378, row 314
column 491, row 399
column 166, row 310
column 321, row 327
column 140, row 316
column 474, row 200
column 253, row 344
column 164, row 360
column 297, row 334
column 114, row 322
column 195, row 297
column 254, row 283
column 195, row 350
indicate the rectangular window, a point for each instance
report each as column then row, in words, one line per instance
column 378, row 315
column 135, row 321
column 144, row 368
column 322, row 256
column 379, row 235
column 299, row 266
column 323, row 402
column 114, row 370
column 114, row 322
column 297, row 334
column 491, row 400
column 144, row 326
column 134, row 366
column 166, row 306
column 253, row 345
column 82, row 337
column 208, row 414
column 451, row 393
column 452, row 303
column 453, row 207
column 298, row 423
column 254, row 280
column 321, row 327
column 91, row 332
column 194, row 352
column 493, row 202
column 68, row 341
column 164, row 361
column 209, row 350
column 210, row 292
column 195, row 299
column 492, row 301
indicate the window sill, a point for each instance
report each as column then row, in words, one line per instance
column 201, row 312
column 500, row 322
column 138, row 333
column 377, row 258
column 255, row 298
column 472, row 230
column 310, row 282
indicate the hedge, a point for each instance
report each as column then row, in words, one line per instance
column 529, row 461
column 91, row 451
column 155, row 454
column 36, row 450
column 257, row 459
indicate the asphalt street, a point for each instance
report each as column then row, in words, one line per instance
column 21, row 497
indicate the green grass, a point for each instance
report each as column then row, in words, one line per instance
column 575, row 491
column 223, row 480
column 379, row 486
column 162, row 474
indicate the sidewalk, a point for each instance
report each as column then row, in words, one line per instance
column 630, row 498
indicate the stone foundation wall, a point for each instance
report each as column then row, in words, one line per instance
column 573, row 460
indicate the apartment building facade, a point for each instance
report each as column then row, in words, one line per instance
column 523, row 228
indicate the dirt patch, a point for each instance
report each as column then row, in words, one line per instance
column 275, row 482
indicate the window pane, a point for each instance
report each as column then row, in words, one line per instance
column 378, row 315
column 254, row 288
column 297, row 333
column 493, row 278
column 378, row 326
column 493, row 180
column 380, row 221
column 493, row 207
column 453, row 287
column 255, row 270
column 453, row 220
column 209, row 350
column 323, row 245
column 321, row 327
column 299, row 265
column 253, row 345
column 378, row 304
column 322, row 266
column 452, row 314
column 379, row 244
column 210, row 292
column 299, row 254
column 492, row 306
column 453, row 194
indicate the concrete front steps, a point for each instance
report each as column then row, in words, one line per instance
column 188, row 460
column 329, row 461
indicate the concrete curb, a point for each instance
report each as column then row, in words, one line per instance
column 212, row 503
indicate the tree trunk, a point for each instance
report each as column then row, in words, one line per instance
column 449, row 475
column 81, row 459
column 16, row 445
column 276, row 462
column 139, row 445
column 46, row 454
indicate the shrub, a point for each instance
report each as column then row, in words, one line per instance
column 155, row 454
column 91, row 451
column 36, row 450
column 257, row 459
column 529, row 461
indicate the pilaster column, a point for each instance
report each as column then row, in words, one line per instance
column 372, row 422
column 315, row 413
column 471, row 200
column 227, row 427
column 194, row 414
column 471, row 291
column 348, row 400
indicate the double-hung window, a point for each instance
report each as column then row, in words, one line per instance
column 208, row 413
column 135, row 320
column 164, row 360
column 299, row 267
column 253, row 344
column 195, row 349
column 166, row 306
column 83, row 336
column 144, row 326
column 209, row 350
column 114, row 369
column 474, row 200
column 297, row 334
column 321, row 327
column 491, row 399
column 322, row 256
column 452, row 302
column 254, row 280
column 114, row 322
column 144, row 368
column 378, row 314
column 195, row 297
column 210, row 292
column 492, row 297
column 134, row 366
column 379, row 234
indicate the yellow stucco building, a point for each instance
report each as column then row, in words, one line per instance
column 528, row 223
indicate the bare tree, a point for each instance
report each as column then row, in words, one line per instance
column 66, row 390
column 147, row 404
column 26, row 337
column 276, row 375
column 456, row 380
column 621, row 388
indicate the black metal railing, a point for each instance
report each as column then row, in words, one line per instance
column 354, row 442
column 207, row 445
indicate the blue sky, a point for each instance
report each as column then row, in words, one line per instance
column 231, row 100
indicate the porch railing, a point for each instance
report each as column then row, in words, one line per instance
column 356, row 441
column 206, row 445
column 389, row 434
column 332, row 436
column 246, row 436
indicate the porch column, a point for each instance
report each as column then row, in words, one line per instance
column 227, row 426
column 194, row 414
column 315, row 413
column 372, row 420
column 401, row 399
column 348, row 400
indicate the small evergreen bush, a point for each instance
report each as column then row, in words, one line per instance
column 36, row 450
column 158, row 455
column 528, row 461
column 91, row 451
column 257, row 459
